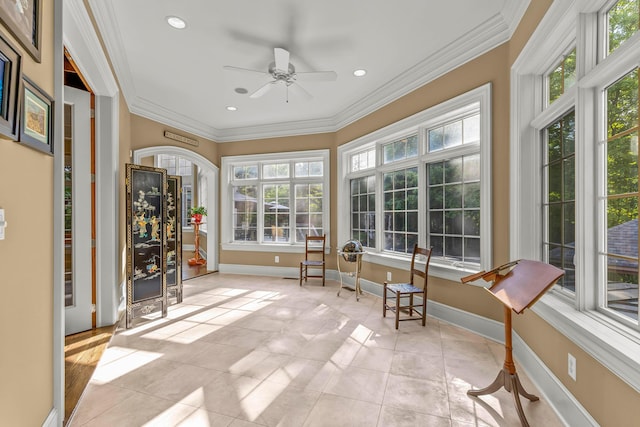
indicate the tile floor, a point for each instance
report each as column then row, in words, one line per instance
column 260, row 351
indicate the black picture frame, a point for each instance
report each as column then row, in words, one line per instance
column 10, row 69
column 24, row 23
column 36, row 117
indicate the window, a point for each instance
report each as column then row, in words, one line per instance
column 363, row 160
column 176, row 165
column 400, row 193
column 574, row 174
column 622, row 21
column 559, row 204
column 430, row 187
column 401, row 149
column 621, row 199
column 454, row 208
column 562, row 77
column 275, row 199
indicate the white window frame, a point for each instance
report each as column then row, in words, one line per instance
column 479, row 98
column 613, row 344
column 228, row 162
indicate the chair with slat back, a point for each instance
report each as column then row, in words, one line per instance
column 399, row 291
column 314, row 248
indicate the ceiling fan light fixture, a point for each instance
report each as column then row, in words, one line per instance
column 231, row 108
column 361, row 72
column 176, row 22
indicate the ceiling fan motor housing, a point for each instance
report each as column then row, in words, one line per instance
column 288, row 77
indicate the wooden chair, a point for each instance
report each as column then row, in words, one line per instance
column 404, row 290
column 313, row 257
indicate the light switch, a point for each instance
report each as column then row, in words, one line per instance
column 3, row 224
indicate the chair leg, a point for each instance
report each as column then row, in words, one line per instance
column 397, row 309
column 323, row 270
column 384, row 299
column 300, row 274
column 424, row 308
column 410, row 305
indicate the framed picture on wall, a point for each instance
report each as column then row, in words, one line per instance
column 9, row 86
column 36, row 117
column 22, row 18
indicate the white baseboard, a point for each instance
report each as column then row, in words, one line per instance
column 570, row 411
column 52, row 419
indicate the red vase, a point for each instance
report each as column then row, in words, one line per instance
column 197, row 218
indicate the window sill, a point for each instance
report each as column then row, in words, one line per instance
column 442, row 271
column 266, row 247
column 615, row 348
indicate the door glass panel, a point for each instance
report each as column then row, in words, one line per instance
column 68, row 229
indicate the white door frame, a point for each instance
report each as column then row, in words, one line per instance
column 211, row 172
column 78, row 315
column 74, row 31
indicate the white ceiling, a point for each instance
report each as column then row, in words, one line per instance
column 177, row 76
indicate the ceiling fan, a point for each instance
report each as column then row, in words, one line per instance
column 282, row 71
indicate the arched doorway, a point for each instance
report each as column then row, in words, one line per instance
column 210, row 172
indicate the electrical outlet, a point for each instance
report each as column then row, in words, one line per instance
column 388, row 275
column 277, row 259
column 571, row 366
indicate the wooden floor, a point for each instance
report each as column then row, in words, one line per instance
column 188, row 271
column 82, row 353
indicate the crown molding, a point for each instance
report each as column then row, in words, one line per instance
column 152, row 111
column 275, row 130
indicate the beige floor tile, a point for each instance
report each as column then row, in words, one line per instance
column 396, row 417
column 274, row 404
column 359, row 384
column 142, row 409
column 419, row 395
column 418, row 365
column 239, row 337
column 217, row 356
column 258, row 364
column 305, row 374
column 377, row 359
column 284, row 342
column 200, row 417
column 97, row 399
column 225, row 395
column 338, row 411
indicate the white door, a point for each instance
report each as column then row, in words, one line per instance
column 78, row 306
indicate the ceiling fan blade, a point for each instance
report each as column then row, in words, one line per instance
column 262, row 90
column 317, row 76
column 282, row 59
column 244, row 70
column 299, row 90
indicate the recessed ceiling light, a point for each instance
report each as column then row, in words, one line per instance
column 231, row 108
column 176, row 22
column 360, row 72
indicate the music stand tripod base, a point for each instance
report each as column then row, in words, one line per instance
column 518, row 289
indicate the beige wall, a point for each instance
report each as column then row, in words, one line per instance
column 124, row 158
column 148, row 133
column 26, row 260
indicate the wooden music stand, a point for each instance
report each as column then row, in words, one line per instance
column 517, row 290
